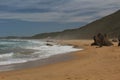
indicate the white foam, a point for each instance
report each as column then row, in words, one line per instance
column 6, row 55
column 14, row 61
column 46, row 51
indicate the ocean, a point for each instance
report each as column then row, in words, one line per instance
column 14, row 51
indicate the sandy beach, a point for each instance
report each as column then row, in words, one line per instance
column 92, row 63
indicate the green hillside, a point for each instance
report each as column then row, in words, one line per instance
column 109, row 25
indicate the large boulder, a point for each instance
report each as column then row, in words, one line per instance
column 119, row 40
column 101, row 40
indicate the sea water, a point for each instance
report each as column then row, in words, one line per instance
column 13, row 51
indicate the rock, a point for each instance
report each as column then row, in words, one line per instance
column 114, row 40
column 101, row 40
column 119, row 40
column 49, row 44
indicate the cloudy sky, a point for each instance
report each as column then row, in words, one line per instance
column 28, row 17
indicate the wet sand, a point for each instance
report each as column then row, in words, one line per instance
column 92, row 63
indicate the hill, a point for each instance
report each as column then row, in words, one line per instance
column 109, row 24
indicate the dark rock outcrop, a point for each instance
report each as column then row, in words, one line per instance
column 101, row 40
column 48, row 44
column 119, row 40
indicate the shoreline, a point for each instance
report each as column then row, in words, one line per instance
column 89, row 64
column 38, row 63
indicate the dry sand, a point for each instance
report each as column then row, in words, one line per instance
column 90, row 64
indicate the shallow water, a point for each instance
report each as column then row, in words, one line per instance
column 13, row 51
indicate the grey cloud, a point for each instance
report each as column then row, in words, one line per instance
column 57, row 10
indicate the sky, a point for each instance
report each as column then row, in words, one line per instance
column 29, row 17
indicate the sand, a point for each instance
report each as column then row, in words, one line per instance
column 92, row 63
